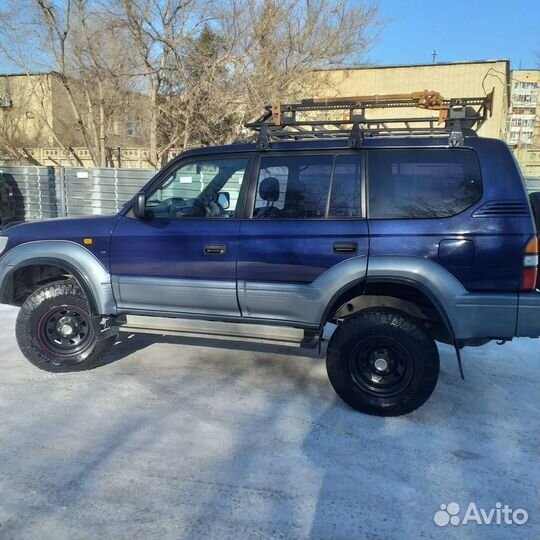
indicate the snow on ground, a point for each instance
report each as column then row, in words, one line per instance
column 175, row 441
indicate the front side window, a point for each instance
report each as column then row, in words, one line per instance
column 207, row 188
column 422, row 183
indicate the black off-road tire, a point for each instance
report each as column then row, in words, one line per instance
column 35, row 330
column 374, row 339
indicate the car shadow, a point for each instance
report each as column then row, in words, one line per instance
column 129, row 343
column 388, row 476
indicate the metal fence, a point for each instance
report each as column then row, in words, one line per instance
column 34, row 189
column 48, row 192
column 533, row 184
column 99, row 191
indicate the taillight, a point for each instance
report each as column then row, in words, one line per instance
column 10, row 191
column 530, row 265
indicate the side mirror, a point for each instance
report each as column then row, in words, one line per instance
column 224, row 199
column 139, row 205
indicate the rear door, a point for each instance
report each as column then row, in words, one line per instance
column 304, row 215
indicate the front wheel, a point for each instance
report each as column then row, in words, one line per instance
column 382, row 362
column 55, row 331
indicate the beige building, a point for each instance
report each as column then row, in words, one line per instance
column 26, row 110
column 38, row 121
column 451, row 80
column 34, row 109
column 516, row 105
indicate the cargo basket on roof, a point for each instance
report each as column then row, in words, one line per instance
column 346, row 117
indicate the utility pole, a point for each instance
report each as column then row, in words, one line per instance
column 434, row 54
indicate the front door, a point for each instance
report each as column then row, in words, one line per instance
column 304, row 218
column 182, row 258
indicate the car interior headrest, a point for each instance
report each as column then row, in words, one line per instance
column 269, row 189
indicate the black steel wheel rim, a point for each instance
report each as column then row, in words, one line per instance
column 381, row 366
column 66, row 331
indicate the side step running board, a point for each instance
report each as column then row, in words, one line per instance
column 275, row 335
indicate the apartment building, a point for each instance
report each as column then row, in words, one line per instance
column 523, row 121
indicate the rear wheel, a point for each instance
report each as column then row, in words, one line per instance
column 55, row 331
column 382, row 362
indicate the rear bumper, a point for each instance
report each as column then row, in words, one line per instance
column 491, row 315
column 528, row 320
column 496, row 316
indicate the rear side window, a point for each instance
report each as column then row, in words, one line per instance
column 308, row 186
column 293, row 186
column 422, row 183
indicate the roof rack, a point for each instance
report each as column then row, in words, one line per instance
column 317, row 118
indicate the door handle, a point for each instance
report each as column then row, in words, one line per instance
column 345, row 247
column 215, row 249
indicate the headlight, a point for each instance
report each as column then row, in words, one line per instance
column 3, row 243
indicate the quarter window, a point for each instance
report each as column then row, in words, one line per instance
column 423, row 183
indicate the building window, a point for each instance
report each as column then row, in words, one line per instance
column 132, row 128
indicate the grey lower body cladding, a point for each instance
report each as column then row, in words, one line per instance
column 468, row 315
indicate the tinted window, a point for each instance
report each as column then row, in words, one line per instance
column 293, row 187
column 424, row 183
column 345, row 200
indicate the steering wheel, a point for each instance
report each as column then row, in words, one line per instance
column 167, row 207
column 188, row 208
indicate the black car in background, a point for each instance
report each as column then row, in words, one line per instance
column 7, row 202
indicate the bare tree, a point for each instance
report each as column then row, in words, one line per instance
column 210, row 66
column 87, row 56
column 282, row 45
column 201, row 68
column 159, row 30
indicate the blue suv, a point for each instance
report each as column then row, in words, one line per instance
column 399, row 239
